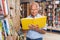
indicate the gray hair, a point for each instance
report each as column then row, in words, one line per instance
column 34, row 3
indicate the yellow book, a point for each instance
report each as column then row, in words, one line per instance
column 0, row 26
column 41, row 22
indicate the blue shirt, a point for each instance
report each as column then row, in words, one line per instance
column 33, row 34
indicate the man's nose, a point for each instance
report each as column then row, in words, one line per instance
column 33, row 11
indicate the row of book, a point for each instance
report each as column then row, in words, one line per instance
column 4, row 23
column 4, row 28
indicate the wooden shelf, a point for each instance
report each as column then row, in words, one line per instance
column 54, row 28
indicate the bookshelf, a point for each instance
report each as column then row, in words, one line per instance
column 55, row 17
column 25, row 9
column 49, row 13
column 9, row 19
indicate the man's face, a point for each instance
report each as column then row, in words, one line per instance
column 34, row 10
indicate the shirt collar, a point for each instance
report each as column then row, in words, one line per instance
column 35, row 16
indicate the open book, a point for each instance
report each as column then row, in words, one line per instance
column 41, row 22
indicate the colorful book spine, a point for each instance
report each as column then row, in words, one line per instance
column 6, row 27
column 3, row 5
column 1, row 35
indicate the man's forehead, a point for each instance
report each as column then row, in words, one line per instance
column 33, row 6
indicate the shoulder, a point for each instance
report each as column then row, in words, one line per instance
column 29, row 16
column 38, row 15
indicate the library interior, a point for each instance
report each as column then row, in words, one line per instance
column 29, row 19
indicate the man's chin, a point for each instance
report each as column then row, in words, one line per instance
column 33, row 15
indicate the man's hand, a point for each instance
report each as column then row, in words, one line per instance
column 32, row 27
column 36, row 28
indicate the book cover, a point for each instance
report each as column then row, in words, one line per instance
column 6, row 27
column 0, row 26
column 41, row 22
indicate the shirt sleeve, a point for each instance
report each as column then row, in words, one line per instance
column 45, row 28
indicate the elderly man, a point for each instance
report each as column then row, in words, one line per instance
column 34, row 33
